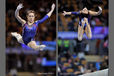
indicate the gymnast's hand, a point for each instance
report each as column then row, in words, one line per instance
column 52, row 9
column 20, row 6
column 100, row 8
column 64, row 13
column 53, row 6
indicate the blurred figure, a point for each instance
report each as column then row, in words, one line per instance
column 98, row 47
column 13, row 72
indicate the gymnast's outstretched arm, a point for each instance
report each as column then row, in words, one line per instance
column 22, row 21
column 48, row 14
column 93, row 13
column 69, row 13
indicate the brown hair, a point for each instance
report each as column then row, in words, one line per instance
column 31, row 11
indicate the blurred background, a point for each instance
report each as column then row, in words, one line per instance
column 80, row 57
column 22, row 60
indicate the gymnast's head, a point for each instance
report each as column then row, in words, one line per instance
column 31, row 16
column 85, row 10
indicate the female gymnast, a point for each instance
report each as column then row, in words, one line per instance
column 30, row 27
column 84, row 22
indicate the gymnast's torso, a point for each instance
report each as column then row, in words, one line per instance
column 29, row 32
column 82, row 16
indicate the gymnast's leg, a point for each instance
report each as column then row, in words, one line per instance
column 80, row 31
column 88, row 30
column 17, row 36
column 33, row 45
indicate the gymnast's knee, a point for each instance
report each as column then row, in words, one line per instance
column 79, row 38
column 32, row 45
column 89, row 36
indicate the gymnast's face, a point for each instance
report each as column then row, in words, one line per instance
column 85, row 11
column 31, row 17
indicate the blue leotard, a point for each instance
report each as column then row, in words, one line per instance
column 81, row 17
column 29, row 33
